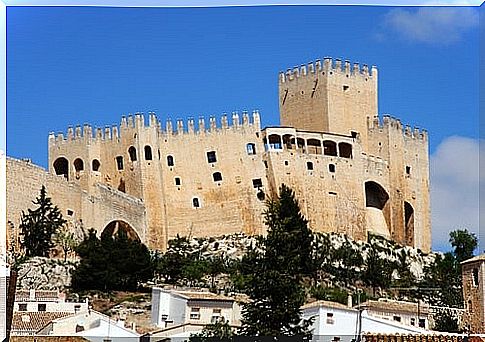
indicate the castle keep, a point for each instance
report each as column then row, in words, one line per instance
column 352, row 171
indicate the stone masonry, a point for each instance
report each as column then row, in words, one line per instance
column 352, row 171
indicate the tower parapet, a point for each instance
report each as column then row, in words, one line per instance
column 390, row 122
column 330, row 66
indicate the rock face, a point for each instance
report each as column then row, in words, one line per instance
column 45, row 274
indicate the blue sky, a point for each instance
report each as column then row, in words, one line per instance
column 75, row 65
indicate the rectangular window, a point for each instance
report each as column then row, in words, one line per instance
column 211, row 157
column 41, row 307
column 195, row 313
column 257, row 183
column 408, row 170
column 397, row 318
column 22, row 307
column 422, row 323
column 330, row 319
column 119, row 162
column 475, row 277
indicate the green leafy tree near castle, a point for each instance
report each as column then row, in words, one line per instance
column 274, row 278
column 39, row 226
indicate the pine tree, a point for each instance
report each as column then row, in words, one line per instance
column 39, row 226
column 274, row 278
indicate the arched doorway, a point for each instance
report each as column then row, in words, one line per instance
column 115, row 226
column 61, row 167
column 377, row 209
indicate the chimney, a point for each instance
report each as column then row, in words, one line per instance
column 349, row 301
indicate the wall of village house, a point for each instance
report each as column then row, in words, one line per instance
column 474, row 296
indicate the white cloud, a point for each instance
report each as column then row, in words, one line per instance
column 455, row 179
column 435, row 25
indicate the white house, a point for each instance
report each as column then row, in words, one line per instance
column 4, row 273
column 172, row 308
column 91, row 325
column 46, row 301
column 338, row 322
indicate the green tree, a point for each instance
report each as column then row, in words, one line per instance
column 219, row 331
column 378, row 270
column 111, row 263
column 446, row 322
column 66, row 240
column 38, row 226
column 348, row 263
column 275, row 272
column 463, row 243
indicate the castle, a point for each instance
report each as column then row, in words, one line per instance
column 352, row 171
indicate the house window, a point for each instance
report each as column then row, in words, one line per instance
column 413, row 322
column 195, row 202
column 22, row 307
column 309, row 166
column 148, row 153
column 195, row 313
column 257, row 183
column 170, row 161
column 211, row 157
column 397, row 318
column 41, row 307
column 178, row 181
column 251, row 148
column 217, row 176
column 330, row 319
column 77, row 308
column 119, row 162
column 475, row 277
column 331, row 168
column 422, row 323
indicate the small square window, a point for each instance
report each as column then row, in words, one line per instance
column 286, row 162
column 211, row 157
column 70, row 212
column 41, row 307
column 217, row 176
column 257, row 183
column 22, row 307
column 251, row 149
column 331, row 168
column 309, row 166
column 422, row 323
column 178, row 181
column 345, row 88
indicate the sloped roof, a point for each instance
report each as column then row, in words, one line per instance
column 480, row 257
column 40, row 295
column 394, row 306
column 25, row 322
column 327, row 304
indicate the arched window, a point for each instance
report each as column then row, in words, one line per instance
column 119, row 162
column 251, row 148
column 329, row 148
column 61, row 167
column 274, row 141
column 78, row 165
column 170, row 161
column 217, row 176
column 314, row 146
column 345, row 150
column 96, row 165
column 132, row 153
column 148, row 153
column 195, row 202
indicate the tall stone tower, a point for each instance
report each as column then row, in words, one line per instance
column 332, row 97
column 473, row 277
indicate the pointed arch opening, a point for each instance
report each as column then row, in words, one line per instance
column 409, row 223
column 377, row 209
column 132, row 153
column 78, row 165
column 115, row 226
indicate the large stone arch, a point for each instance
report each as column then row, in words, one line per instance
column 61, row 167
column 114, row 226
column 377, row 205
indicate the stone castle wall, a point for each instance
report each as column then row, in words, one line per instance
column 351, row 171
column 473, row 281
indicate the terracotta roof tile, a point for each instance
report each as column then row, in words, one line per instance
column 30, row 322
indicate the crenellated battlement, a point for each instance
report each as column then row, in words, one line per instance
column 87, row 134
column 329, row 66
column 189, row 126
column 390, row 122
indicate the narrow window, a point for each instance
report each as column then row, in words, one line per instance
column 330, row 319
column 286, row 162
column 413, row 322
column 408, row 170
column 78, row 165
column 148, row 153
column 41, row 307
column 119, row 162
column 257, row 183
column 96, row 165
column 309, row 166
column 170, row 161
column 195, row 313
column 217, row 176
column 132, row 153
column 195, row 202
column 178, row 181
column 251, row 148
column 331, row 168
column 211, row 157
column 265, row 164
column 475, row 277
